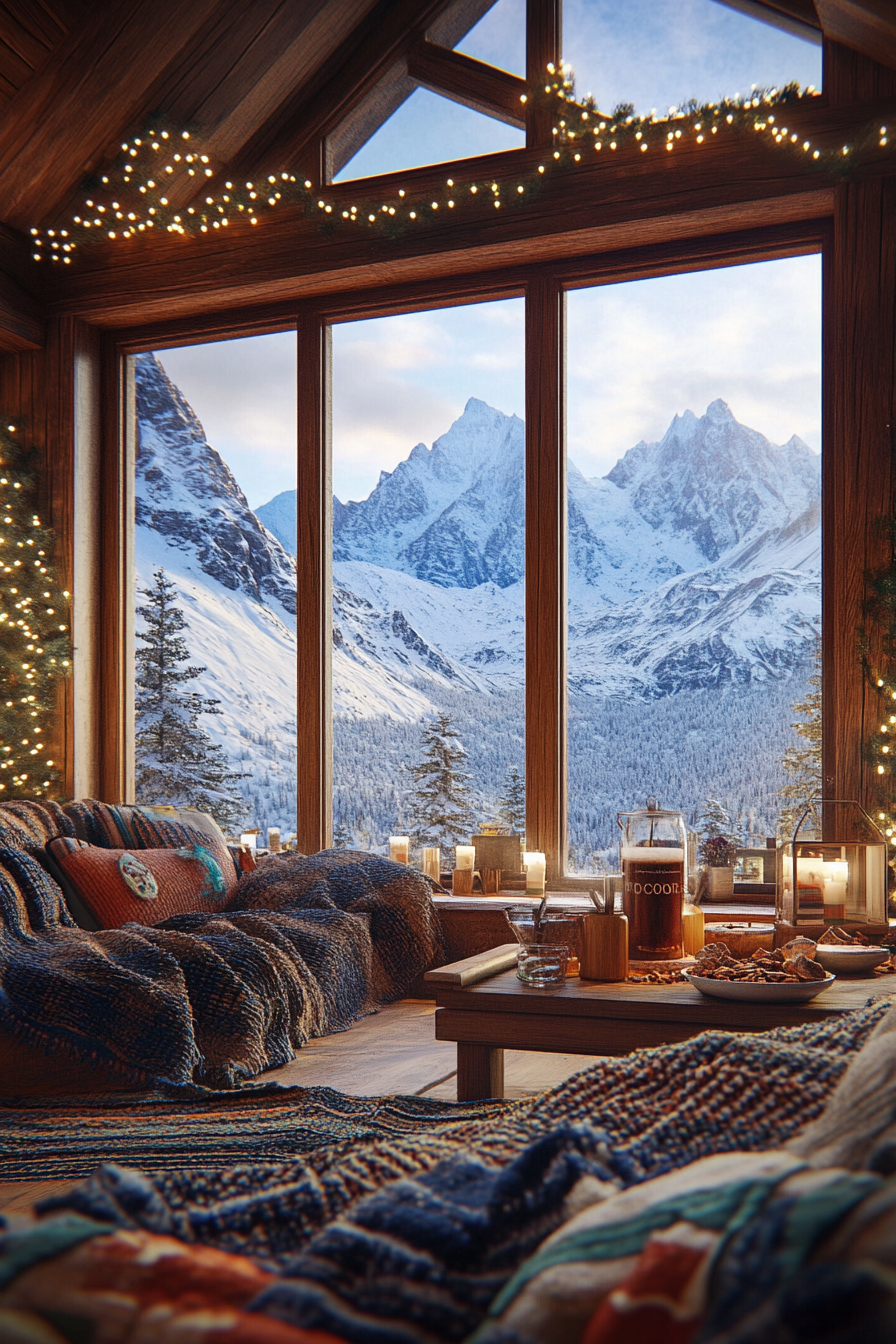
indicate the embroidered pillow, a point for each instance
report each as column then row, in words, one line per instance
column 145, row 886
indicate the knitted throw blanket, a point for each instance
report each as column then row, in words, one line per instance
column 409, row 1240
column 305, row 947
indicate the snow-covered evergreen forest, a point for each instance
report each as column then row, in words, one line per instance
column 693, row 588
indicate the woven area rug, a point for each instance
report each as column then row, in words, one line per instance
column 68, row 1137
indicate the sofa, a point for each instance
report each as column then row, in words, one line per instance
column 134, row 953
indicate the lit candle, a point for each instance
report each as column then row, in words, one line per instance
column 432, row 862
column 464, row 856
column 534, row 864
column 398, row 848
column 836, row 876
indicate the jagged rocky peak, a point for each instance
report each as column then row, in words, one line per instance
column 717, row 480
column 187, row 493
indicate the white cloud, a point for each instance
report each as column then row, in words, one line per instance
column 640, row 352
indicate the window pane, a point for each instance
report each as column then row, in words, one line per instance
column 429, row 129
column 427, row 569
column 216, row 454
column 658, row 53
column 499, row 38
column 694, row 543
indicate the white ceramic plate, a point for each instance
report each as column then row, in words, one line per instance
column 756, row 991
column 850, row 960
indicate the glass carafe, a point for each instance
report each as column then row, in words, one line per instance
column 653, row 850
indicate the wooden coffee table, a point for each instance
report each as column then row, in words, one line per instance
column 588, row 1018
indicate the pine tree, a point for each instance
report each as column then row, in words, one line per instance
column 803, row 764
column 177, row 762
column 441, row 803
column 716, row 825
column 512, row 808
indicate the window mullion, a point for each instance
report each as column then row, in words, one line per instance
column 545, row 576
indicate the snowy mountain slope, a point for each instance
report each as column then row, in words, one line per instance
column 717, row 482
column 279, row 517
column 480, row 632
column 187, row 493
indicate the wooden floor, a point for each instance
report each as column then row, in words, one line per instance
column 392, row 1051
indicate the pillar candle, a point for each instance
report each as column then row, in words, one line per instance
column 464, row 856
column 534, row 864
column 274, row 839
column 836, row 876
column 432, row 862
column 398, row 848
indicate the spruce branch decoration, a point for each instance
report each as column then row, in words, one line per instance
column 35, row 630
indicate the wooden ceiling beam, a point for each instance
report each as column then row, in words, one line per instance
column 795, row 16
column 615, row 204
column 60, row 124
column 865, row 26
column 469, row 82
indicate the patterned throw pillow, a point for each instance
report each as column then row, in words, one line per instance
column 146, row 886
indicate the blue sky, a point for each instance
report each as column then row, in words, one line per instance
column 637, row 353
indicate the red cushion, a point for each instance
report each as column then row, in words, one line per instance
column 144, row 886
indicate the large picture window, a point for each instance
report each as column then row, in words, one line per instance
column 428, row 563
column 694, row 546
column 215, row 580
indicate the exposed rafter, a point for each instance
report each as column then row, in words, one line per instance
column 866, row 26
column 470, row 82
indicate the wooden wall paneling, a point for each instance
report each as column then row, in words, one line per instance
column 544, row 46
column 850, row 77
column 314, row 621
column 545, row 576
column 22, row 322
column 859, row 481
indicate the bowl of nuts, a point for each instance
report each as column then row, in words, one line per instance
column 787, row 975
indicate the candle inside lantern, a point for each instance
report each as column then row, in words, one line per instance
column 398, row 848
column 836, row 876
column 432, row 862
column 464, row 856
column 534, row 864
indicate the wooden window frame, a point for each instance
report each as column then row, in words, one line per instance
column 543, row 288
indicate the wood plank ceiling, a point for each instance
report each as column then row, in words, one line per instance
column 285, row 84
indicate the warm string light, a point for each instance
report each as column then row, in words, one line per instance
column 133, row 197
column 35, row 637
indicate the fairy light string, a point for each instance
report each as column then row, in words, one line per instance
column 35, row 634
column 136, row 196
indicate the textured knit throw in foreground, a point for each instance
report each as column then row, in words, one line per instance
column 304, row 947
column 412, row 1239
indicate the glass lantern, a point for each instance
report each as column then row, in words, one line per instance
column 832, row 874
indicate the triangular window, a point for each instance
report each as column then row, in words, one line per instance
column 499, row 38
column 426, row 129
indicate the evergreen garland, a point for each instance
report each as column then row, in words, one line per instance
column 35, row 625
